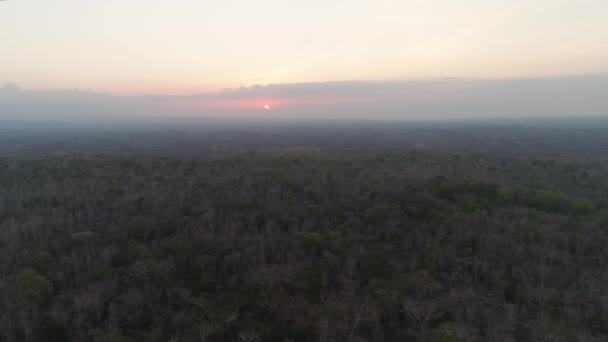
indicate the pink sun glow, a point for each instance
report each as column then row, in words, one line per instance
column 265, row 103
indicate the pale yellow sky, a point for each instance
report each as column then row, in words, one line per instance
column 188, row 46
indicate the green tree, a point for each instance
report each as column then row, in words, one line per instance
column 32, row 287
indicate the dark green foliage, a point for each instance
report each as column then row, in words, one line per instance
column 302, row 247
column 50, row 330
column 375, row 265
column 31, row 287
column 514, row 288
column 539, row 198
column 116, row 338
column 582, row 207
column 105, row 272
column 429, row 258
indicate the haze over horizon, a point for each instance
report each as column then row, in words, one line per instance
column 580, row 96
column 354, row 59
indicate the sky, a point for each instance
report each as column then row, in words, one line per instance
column 183, row 49
column 190, row 46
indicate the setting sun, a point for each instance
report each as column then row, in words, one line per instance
column 267, row 107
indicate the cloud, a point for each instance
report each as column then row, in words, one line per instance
column 9, row 88
column 425, row 99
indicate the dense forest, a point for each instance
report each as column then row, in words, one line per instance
column 409, row 240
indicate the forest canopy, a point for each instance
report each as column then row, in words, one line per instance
column 307, row 244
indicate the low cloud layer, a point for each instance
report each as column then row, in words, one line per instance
column 433, row 99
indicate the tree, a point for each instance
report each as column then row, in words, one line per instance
column 32, row 288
